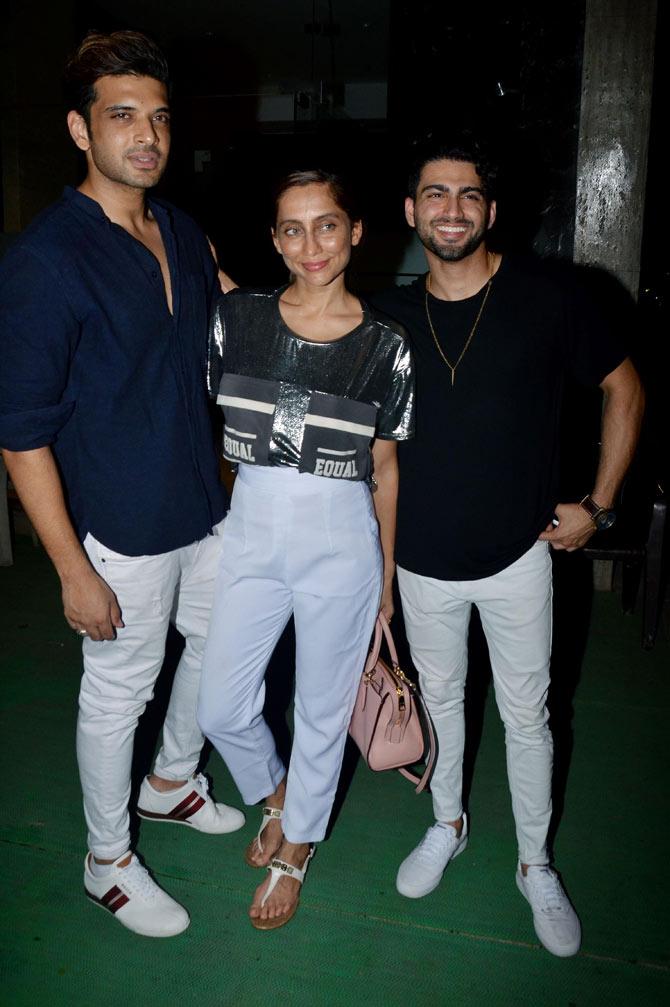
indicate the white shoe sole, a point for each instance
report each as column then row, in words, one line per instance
column 559, row 951
column 418, row 893
column 135, row 930
column 153, row 816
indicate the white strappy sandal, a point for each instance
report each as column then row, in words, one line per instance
column 279, row 869
column 268, row 815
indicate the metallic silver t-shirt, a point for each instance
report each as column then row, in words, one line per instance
column 314, row 406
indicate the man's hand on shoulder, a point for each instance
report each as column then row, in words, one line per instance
column 573, row 531
column 89, row 603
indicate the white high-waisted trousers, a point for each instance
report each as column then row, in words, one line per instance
column 515, row 610
column 300, row 544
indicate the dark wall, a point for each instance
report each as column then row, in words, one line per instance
column 512, row 71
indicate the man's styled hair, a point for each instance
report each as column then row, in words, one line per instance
column 463, row 147
column 110, row 55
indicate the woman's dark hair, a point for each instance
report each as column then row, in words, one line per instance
column 465, row 147
column 339, row 190
column 110, row 55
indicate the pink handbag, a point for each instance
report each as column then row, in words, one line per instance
column 390, row 723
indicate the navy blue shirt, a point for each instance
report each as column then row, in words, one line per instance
column 93, row 364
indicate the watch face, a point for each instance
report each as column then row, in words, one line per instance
column 605, row 519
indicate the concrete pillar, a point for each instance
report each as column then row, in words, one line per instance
column 617, row 79
column 614, row 136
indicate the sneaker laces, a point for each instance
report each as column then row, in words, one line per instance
column 138, row 881
column 201, row 784
column 547, row 887
column 435, row 842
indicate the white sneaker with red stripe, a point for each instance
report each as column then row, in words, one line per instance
column 133, row 897
column 189, row 805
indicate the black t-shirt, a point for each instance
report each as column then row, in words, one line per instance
column 478, row 482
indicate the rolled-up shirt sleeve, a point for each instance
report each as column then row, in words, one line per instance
column 38, row 337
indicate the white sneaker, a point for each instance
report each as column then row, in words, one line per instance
column 189, row 805
column 422, row 870
column 556, row 923
column 134, row 898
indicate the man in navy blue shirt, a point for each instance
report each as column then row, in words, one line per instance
column 105, row 431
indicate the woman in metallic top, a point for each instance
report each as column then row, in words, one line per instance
column 316, row 390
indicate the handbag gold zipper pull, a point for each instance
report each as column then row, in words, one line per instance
column 401, row 705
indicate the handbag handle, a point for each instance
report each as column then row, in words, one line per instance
column 381, row 627
column 422, row 781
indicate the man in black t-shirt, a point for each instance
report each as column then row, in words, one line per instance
column 493, row 337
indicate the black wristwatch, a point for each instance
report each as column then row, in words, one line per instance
column 602, row 517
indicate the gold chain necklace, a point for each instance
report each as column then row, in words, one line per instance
column 452, row 367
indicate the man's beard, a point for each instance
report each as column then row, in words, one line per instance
column 450, row 253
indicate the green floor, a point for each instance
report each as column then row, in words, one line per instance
column 354, row 941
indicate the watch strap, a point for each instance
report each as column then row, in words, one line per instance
column 591, row 507
column 602, row 517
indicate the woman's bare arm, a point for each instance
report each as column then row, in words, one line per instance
column 385, row 497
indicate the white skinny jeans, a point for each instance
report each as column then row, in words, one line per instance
column 119, row 677
column 516, row 614
column 307, row 545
